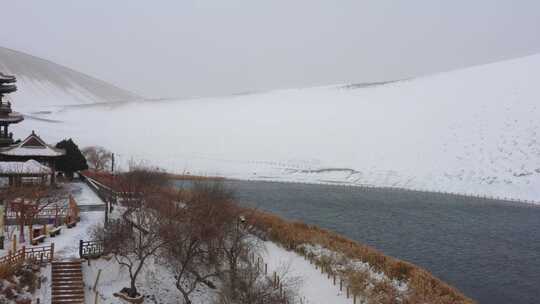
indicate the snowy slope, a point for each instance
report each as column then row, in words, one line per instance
column 42, row 82
column 475, row 130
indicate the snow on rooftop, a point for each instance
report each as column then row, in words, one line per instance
column 33, row 145
column 31, row 151
column 28, row 167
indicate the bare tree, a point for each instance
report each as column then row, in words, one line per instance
column 98, row 158
column 133, row 239
column 238, row 245
column 27, row 202
column 253, row 286
column 194, row 231
column 137, row 235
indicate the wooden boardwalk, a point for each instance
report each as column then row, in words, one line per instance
column 67, row 282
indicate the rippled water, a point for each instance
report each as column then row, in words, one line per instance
column 490, row 250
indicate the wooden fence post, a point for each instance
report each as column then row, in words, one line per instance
column 52, row 251
column 340, row 284
column 347, row 291
column 97, row 280
column 23, row 249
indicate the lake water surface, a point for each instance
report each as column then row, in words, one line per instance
column 490, row 250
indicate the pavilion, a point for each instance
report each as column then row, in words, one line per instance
column 31, row 159
column 24, row 173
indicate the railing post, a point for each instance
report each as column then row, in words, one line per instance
column 81, row 248
column 23, row 249
column 52, row 251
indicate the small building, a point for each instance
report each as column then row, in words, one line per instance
column 29, row 172
column 33, row 148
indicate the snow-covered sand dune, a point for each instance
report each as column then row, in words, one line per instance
column 475, row 130
column 42, row 82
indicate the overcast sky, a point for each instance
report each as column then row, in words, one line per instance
column 201, row 48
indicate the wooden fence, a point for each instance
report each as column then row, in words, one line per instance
column 13, row 261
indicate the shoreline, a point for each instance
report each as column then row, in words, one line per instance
column 360, row 186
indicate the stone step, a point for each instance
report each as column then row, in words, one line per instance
column 65, row 264
column 62, row 273
column 67, row 274
column 63, row 294
column 60, row 282
column 66, row 268
column 71, row 289
column 71, row 301
column 68, row 296
column 60, row 285
column 67, row 282
column 67, row 279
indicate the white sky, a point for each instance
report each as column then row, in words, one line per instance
column 201, row 48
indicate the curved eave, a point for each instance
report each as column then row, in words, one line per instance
column 6, row 89
column 13, row 117
column 7, row 153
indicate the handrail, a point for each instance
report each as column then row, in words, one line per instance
column 91, row 249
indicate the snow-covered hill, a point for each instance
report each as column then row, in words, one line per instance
column 475, row 130
column 43, row 82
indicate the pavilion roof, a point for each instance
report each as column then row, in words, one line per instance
column 29, row 167
column 33, row 145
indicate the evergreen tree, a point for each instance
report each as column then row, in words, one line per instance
column 73, row 160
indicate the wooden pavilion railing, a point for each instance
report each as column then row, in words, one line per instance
column 49, row 212
column 13, row 261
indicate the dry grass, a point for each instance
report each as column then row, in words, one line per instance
column 423, row 286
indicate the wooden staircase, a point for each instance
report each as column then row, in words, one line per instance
column 67, row 282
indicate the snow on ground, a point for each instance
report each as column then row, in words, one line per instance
column 155, row 281
column 83, row 194
column 314, row 288
column 67, row 243
column 474, row 130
